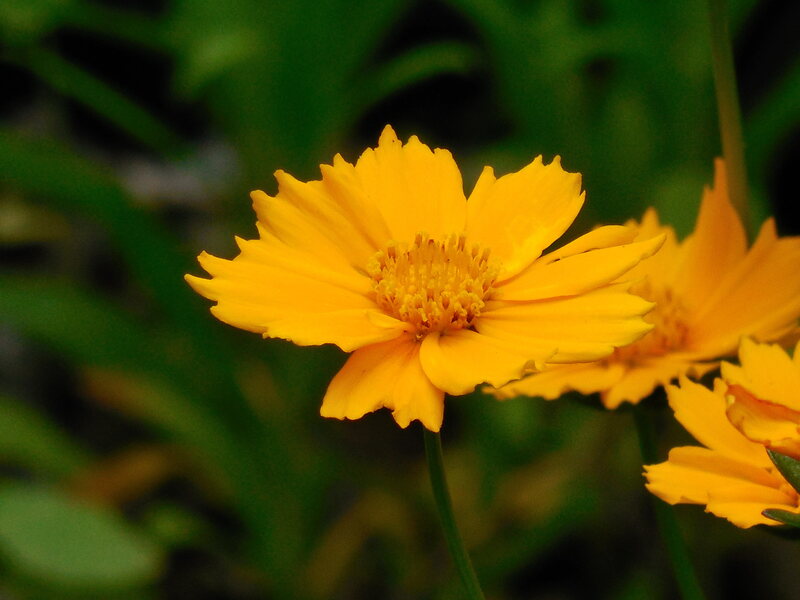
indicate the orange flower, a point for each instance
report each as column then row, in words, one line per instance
column 764, row 396
column 432, row 293
column 730, row 474
column 709, row 290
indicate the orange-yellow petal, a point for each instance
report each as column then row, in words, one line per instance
column 576, row 274
column 460, row 360
column 693, row 475
column 646, row 375
column 702, row 413
column 760, row 297
column 414, row 189
column 767, row 372
column 387, row 375
column 573, row 329
column 773, row 425
column 716, row 246
column 285, row 294
column 747, row 514
column 522, row 213
column 555, row 380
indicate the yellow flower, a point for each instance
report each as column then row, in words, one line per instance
column 709, row 290
column 731, row 475
column 432, row 293
column 764, row 396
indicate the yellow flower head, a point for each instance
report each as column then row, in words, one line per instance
column 709, row 290
column 764, row 396
column 731, row 475
column 432, row 292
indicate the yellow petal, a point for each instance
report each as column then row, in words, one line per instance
column 600, row 237
column 461, row 359
column 767, row 372
column 702, row 412
column 747, row 514
column 388, row 375
column 555, row 380
column 758, row 298
column 308, row 218
column 415, row 189
column 576, row 274
column 577, row 329
column 644, row 376
column 286, row 294
column 694, row 475
column 772, row 425
column 521, row 214
column 717, row 245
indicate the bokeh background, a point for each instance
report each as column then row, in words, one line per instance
column 149, row 451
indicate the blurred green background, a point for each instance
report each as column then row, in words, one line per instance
column 148, row 451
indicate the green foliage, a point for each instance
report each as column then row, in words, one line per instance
column 312, row 508
column 57, row 541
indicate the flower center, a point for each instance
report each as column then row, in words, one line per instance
column 669, row 319
column 433, row 285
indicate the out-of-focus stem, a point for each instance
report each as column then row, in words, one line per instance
column 730, row 115
column 665, row 516
column 433, row 452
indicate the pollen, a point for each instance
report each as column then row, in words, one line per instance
column 670, row 331
column 434, row 285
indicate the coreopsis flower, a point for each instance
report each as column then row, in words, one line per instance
column 764, row 396
column 431, row 292
column 730, row 474
column 709, row 290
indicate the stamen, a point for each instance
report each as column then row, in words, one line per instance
column 670, row 331
column 433, row 285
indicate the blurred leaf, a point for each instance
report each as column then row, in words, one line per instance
column 80, row 85
column 126, row 476
column 24, row 21
column 54, row 539
column 415, row 66
column 82, row 326
column 59, row 177
column 29, row 440
column 789, row 467
column 784, row 516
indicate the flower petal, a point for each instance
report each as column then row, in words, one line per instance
column 388, row 375
column 718, row 244
column 701, row 476
column 767, row 372
column 577, row 329
column 415, row 189
column 576, row 274
column 758, row 298
column 773, row 425
column 702, row 413
column 521, row 214
column 462, row 359
column 555, row 380
column 644, row 376
column 273, row 290
column 748, row 514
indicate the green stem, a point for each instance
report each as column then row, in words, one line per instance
column 433, row 452
column 730, row 115
column 665, row 515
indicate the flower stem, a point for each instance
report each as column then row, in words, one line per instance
column 433, row 452
column 730, row 115
column 665, row 515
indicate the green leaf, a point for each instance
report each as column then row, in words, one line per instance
column 29, row 440
column 61, row 542
column 784, row 516
column 788, row 466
